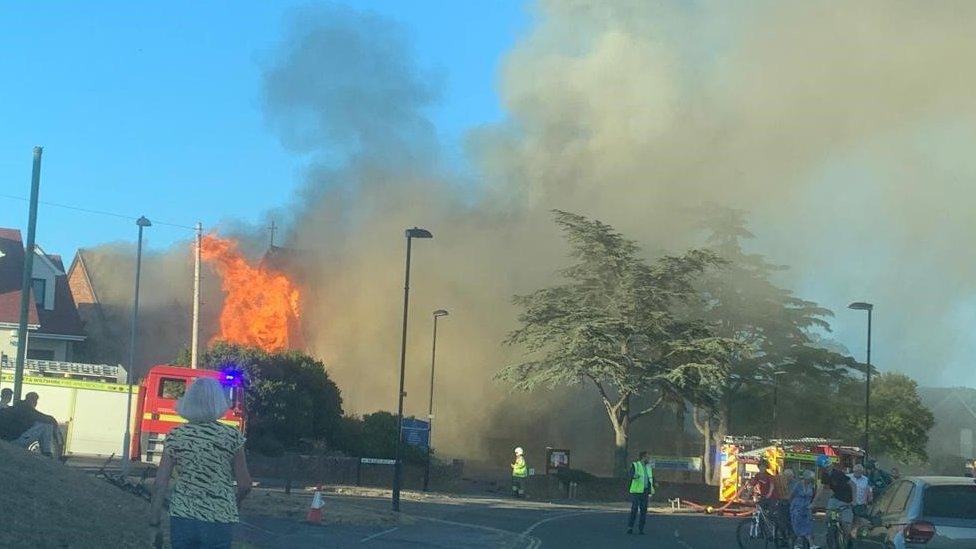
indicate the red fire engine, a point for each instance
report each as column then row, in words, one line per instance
column 156, row 413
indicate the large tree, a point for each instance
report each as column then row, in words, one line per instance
column 779, row 334
column 614, row 321
column 290, row 400
column 900, row 422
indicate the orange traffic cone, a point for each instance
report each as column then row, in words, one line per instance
column 315, row 509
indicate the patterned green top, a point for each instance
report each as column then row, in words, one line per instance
column 203, row 487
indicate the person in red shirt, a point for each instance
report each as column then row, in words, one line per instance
column 763, row 484
column 768, row 494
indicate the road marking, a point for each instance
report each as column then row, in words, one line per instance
column 533, row 542
column 529, row 530
column 266, row 531
column 378, row 534
column 677, row 537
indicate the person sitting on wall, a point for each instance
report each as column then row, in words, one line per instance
column 23, row 425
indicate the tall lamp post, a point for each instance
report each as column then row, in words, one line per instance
column 142, row 223
column 430, row 406
column 397, row 465
column 862, row 306
column 776, row 375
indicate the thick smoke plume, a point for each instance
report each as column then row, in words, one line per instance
column 842, row 129
column 845, row 129
column 165, row 305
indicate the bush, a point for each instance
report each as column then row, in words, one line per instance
column 374, row 435
column 291, row 403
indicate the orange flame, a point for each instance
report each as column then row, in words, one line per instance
column 260, row 304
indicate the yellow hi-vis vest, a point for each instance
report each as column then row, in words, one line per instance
column 643, row 477
column 518, row 468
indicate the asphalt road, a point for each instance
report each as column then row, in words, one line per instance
column 487, row 522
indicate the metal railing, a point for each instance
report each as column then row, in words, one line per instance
column 76, row 370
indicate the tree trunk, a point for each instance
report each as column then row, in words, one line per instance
column 620, row 420
column 706, row 431
column 718, row 437
column 679, row 436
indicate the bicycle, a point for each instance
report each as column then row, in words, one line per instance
column 836, row 538
column 761, row 530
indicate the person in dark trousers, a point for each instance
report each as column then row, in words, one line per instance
column 842, row 496
column 23, row 425
column 641, row 488
column 519, row 472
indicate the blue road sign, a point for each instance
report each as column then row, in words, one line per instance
column 416, row 432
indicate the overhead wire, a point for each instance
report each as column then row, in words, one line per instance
column 97, row 212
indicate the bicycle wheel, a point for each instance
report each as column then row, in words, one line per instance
column 751, row 535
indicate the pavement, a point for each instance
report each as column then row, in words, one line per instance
column 479, row 522
column 450, row 521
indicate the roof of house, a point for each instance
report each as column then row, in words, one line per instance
column 78, row 273
column 63, row 319
column 11, row 277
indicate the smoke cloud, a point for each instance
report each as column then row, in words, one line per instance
column 844, row 129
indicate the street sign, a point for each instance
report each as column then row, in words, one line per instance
column 556, row 458
column 377, row 461
column 416, row 432
column 675, row 463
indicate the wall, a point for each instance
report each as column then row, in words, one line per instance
column 41, row 269
column 8, row 345
column 60, row 347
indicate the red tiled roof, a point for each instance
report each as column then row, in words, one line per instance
column 11, row 277
column 62, row 320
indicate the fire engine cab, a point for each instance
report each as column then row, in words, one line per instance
column 156, row 414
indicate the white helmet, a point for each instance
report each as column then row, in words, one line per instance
column 519, row 451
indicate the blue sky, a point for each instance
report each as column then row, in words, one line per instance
column 155, row 108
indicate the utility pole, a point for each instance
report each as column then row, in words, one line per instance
column 25, row 285
column 195, row 336
column 273, row 228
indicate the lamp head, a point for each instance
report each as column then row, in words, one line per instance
column 440, row 312
column 860, row 306
column 418, row 233
column 143, row 222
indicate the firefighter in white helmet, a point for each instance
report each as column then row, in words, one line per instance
column 519, row 472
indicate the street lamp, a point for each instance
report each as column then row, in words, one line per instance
column 430, row 406
column 142, row 223
column 397, row 465
column 776, row 375
column 861, row 306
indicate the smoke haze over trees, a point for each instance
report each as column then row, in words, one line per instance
column 846, row 136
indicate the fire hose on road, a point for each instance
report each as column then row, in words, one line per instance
column 724, row 510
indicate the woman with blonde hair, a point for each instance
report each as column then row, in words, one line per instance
column 204, row 457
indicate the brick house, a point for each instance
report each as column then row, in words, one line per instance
column 53, row 323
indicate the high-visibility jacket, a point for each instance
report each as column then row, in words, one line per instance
column 518, row 467
column 642, row 479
